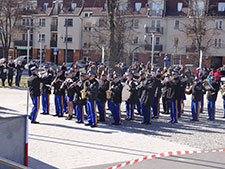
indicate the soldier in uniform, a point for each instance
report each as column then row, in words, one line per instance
column 19, row 71
column 101, row 96
column 212, row 96
column 78, row 101
column 165, row 100
column 133, row 99
column 197, row 92
column 110, row 79
column 173, row 95
column 140, row 90
column 91, row 88
column 147, row 98
column 59, row 93
column 46, row 90
column 116, row 95
column 34, row 88
column 182, row 97
column 158, row 93
column 69, row 93
column 11, row 70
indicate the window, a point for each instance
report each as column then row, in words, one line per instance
column 23, row 22
column 73, row 5
column 177, row 23
column 68, row 38
column 41, row 22
column 153, row 23
column 87, row 28
column 179, row 6
column 138, row 6
column 31, row 22
column 68, row 22
column 219, row 24
column 105, row 7
column 156, row 8
column 41, row 37
column 101, row 22
column 135, row 23
column 88, row 14
column 221, row 6
column 176, row 41
column 158, row 24
column 198, row 7
column 135, row 41
column 218, row 43
column 136, row 57
column 157, row 40
column 24, row 37
column 86, row 45
column 123, row 7
column 45, row 6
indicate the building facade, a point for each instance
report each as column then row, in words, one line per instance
column 72, row 28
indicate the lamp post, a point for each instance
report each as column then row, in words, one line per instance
column 153, row 45
column 66, row 51
column 28, row 45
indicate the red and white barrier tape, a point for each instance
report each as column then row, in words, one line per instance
column 171, row 153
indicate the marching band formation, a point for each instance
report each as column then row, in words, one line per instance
column 77, row 91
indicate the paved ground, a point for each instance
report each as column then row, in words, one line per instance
column 56, row 143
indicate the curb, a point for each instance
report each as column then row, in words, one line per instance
column 167, row 154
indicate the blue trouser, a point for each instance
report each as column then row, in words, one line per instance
column 147, row 111
column 224, row 106
column 195, row 109
column 202, row 104
column 59, row 105
column 110, row 105
column 179, row 107
column 91, row 108
column 35, row 109
column 173, row 111
column 65, row 106
column 116, row 113
column 130, row 111
column 139, row 107
column 74, row 108
column 101, row 109
column 156, row 107
column 80, row 113
column 211, row 109
column 18, row 78
column 45, row 103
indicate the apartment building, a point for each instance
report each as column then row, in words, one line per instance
column 67, row 27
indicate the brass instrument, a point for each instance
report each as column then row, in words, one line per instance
column 207, row 85
column 188, row 90
column 83, row 92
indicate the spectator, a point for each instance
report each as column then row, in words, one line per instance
column 30, row 66
column 3, row 73
column 11, row 70
column 19, row 71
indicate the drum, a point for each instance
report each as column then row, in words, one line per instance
column 125, row 92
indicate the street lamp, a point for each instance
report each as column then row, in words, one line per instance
column 153, row 45
column 28, row 45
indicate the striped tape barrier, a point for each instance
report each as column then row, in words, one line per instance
column 171, row 153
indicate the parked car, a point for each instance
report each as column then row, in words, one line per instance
column 81, row 63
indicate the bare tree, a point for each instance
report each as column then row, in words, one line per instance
column 198, row 28
column 10, row 14
column 114, row 31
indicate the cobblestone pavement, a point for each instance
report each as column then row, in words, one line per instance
column 57, row 143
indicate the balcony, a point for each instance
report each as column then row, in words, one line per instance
column 53, row 43
column 158, row 48
column 54, row 28
column 155, row 30
column 22, row 43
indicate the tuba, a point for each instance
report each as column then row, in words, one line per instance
column 206, row 84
